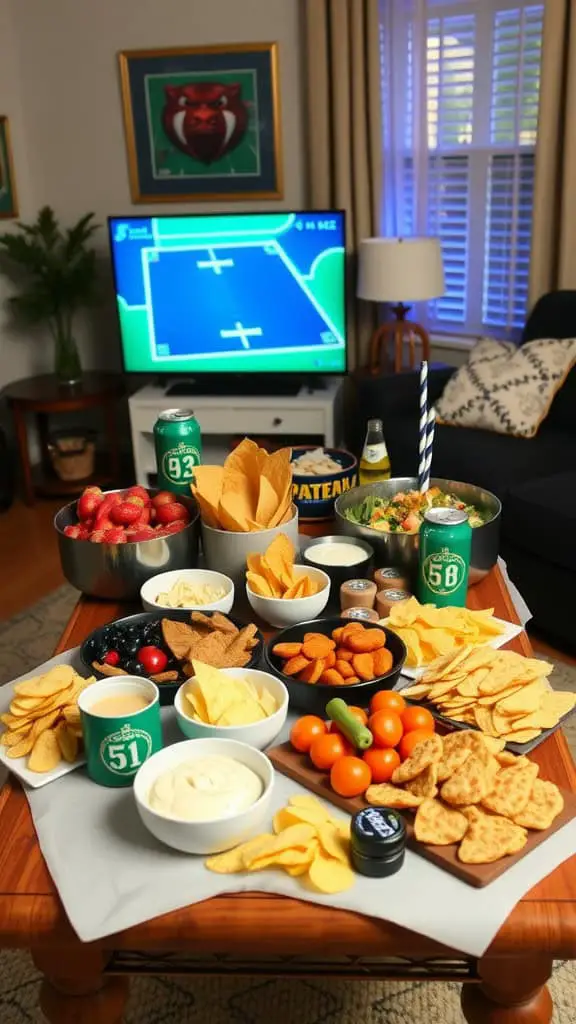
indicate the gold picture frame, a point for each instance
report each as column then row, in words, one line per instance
column 202, row 124
column 8, row 197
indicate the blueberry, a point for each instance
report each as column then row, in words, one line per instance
column 134, row 668
column 130, row 646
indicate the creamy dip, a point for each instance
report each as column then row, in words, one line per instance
column 338, row 553
column 205, row 789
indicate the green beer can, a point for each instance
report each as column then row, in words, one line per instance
column 445, row 547
column 178, row 444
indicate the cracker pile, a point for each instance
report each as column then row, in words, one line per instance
column 466, row 789
column 211, row 639
column 307, row 840
column 502, row 693
column 43, row 722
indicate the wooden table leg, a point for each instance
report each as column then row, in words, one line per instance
column 44, row 437
column 113, row 441
column 512, row 991
column 74, row 989
column 24, row 455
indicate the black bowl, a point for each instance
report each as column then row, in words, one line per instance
column 167, row 690
column 314, row 698
column 340, row 574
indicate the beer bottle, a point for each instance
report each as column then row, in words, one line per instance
column 375, row 463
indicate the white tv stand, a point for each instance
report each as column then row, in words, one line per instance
column 314, row 416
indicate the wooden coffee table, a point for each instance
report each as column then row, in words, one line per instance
column 264, row 934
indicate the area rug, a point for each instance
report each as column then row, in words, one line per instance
column 30, row 638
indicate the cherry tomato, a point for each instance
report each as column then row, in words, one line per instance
column 358, row 713
column 350, row 776
column 387, row 700
column 152, row 659
column 415, row 717
column 326, row 750
column 111, row 658
column 386, row 728
column 305, row 730
column 411, row 740
column 382, row 761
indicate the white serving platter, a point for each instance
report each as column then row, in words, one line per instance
column 18, row 765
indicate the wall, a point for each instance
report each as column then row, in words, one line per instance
column 59, row 85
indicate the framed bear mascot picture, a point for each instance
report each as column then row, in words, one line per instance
column 202, row 124
column 8, row 202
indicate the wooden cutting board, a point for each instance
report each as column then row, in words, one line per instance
column 297, row 766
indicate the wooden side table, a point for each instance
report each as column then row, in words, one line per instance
column 45, row 395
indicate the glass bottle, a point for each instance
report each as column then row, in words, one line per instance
column 375, row 462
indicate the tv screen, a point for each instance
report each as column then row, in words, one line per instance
column 231, row 293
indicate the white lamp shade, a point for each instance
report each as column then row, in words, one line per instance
column 400, row 269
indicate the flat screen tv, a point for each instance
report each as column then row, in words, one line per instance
column 231, row 293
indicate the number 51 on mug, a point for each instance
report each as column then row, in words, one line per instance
column 178, row 444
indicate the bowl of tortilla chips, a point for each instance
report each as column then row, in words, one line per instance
column 281, row 592
column 243, row 505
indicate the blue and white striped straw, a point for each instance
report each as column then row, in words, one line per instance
column 424, row 481
column 423, row 421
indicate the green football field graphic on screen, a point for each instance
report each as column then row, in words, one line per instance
column 233, row 293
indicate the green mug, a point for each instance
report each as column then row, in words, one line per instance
column 121, row 727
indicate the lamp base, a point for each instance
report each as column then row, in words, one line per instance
column 398, row 330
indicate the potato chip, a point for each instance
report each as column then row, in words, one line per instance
column 53, row 682
column 45, row 754
column 438, row 824
column 329, row 875
column 67, row 742
column 219, row 699
column 525, row 700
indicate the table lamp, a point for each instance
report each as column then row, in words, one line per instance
column 399, row 271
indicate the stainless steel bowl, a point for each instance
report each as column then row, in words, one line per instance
column 401, row 549
column 117, row 571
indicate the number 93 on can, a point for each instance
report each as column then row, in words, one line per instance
column 121, row 727
column 178, row 445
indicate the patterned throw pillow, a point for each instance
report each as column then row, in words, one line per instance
column 507, row 389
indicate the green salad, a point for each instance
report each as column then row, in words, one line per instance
column 404, row 512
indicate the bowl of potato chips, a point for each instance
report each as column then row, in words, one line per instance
column 235, row 703
column 281, row 592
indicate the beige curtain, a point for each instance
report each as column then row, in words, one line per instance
column 344, row 131
column 553, row 258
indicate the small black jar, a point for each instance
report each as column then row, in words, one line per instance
column 377, row 841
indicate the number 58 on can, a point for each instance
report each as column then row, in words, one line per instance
column 445, row 545
column 178, row 444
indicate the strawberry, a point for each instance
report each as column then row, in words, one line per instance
column 163, row 498
column 171, row 512
column 72, row 531
column 144, row 533
column 126, row 512
column 172, row 528
column 143, row 518
column 116, row 535
column 88, row 503
column 97, row 536
column 138, row 492
column 134, row 499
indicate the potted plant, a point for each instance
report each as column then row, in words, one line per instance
column 55, row 271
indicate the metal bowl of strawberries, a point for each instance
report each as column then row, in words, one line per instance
column 111, row 542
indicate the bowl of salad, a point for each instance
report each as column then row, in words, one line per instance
column 389, row 515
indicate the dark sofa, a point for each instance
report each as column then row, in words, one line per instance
column 534, row 478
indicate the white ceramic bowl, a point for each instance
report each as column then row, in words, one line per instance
column 280, row 612
column 164, row 582
column 224, row 549
column 204, row 837
column 256, row 734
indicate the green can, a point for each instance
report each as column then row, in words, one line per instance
column 444, row 563
column 178, row 444
column 121, row 727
